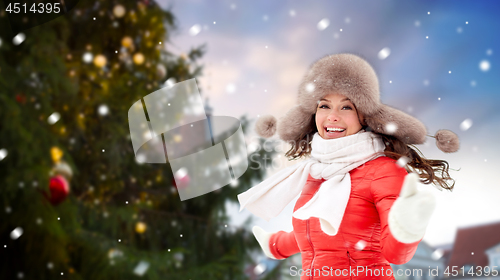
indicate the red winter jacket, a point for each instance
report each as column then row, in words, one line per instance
column 364, row 245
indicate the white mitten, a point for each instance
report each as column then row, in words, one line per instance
column 263, row 238
column 411, row 212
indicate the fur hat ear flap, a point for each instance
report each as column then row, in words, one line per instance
column 391, row 121
column 447, row 141
column 266, row 126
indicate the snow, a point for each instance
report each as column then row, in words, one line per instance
column 3, row 154
column 323, row 24
column 16, row 233
column 484, row 65
column 466, row 124
column 384, row 53
column 19, row 39
column 391, row 128
column 87, row 57
column 194, row 30
column 103, row 110
column 310, row 87
column 53, row 118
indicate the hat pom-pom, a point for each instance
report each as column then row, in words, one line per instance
column 266, row 126
column 447, row 141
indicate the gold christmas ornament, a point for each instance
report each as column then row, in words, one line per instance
column 56, row 154
column 100, row 60
column 138, row 58
column 140, row 227
column 119, row 11
column 127, row 42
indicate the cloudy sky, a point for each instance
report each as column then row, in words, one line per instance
column 442, row 68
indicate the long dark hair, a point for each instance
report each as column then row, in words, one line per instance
column 430, row 170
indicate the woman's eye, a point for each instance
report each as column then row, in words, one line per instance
column 323, row 106
column 347, row 107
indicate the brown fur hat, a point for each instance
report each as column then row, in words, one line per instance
column 353, row 77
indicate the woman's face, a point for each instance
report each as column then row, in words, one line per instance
column 336, row 117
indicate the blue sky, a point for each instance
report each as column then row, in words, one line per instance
column 257, row 52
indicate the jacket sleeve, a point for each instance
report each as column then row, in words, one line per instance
column 385, row 189
column 283, row 244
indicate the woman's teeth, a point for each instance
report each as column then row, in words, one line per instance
column 334, row 129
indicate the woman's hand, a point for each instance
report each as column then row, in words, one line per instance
column 410, row 213
column 263, row 238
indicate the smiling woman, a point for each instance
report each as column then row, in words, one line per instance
column 356, row 206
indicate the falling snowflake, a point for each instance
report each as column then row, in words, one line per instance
column 360, row 245
column 87, row 57
column 53, row 118
column 310, row 87
column 323, row 24
column 140, row 158
column 103, row 110
column 292, row 13
column 489, row 52
column 141, row 268
column 403, row 161
column 234, row 183
column 484, row 65
column 19, row 39
column 230, row 88
column 466, row 124
column 194, row 30
column 347, row 20
column 170, row 82
column 259, row 269
column 472, row 83
column 16, row 233
column 3, row 154
column 417, row 23
column 437, row 254
column 384, row 53
column 391, row 128
column 265, row 17
column 459, row 29
column 181, row 173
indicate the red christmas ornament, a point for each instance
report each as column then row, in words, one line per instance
column 20, row 98
column 59, row 189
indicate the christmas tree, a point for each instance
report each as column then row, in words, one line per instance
column 75, row 203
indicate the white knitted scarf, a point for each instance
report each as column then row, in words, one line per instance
column 331, row 159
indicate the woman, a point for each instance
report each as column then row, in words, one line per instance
column 358, row 210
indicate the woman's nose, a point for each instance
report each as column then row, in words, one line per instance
column 333, row 117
